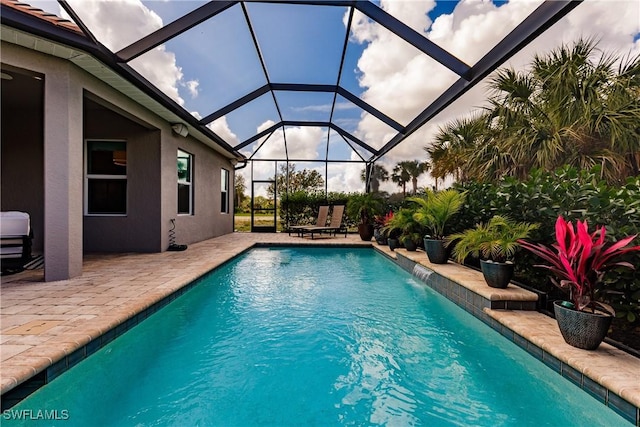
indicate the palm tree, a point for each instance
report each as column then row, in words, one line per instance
column 415, row 168
column 453, row 145
column 378, row 173
column 401, row 176
column 570, row 109
column 573, row 107
column 436, row 209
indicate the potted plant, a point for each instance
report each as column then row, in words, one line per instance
column 495, row 243
column 578, row 261
column 412, row 231
column 433, row 213
column 392, row 229
column 364, row 206
column 410, row 240
column 403, row 229
column 378, row 224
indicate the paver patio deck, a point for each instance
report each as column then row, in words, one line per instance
column 42, row 323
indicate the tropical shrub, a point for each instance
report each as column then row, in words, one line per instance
column 435, row 211
column 363, row 207
column 495, row 240
column 576, row 195
column 578, row 260
column 403, row 225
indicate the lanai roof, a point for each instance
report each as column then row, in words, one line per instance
column 254, row 79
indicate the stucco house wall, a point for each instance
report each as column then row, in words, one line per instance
column 56, row 195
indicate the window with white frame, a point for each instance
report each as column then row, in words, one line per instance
column 105, row 177
column 185, row 180
column 224, row 191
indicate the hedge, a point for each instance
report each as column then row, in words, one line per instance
column 575, row 195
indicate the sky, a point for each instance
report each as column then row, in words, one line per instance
column 216, row 62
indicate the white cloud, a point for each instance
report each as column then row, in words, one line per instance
column 192, row 87
column 325, row 108
column 116, row 24
column 221, row 128
column 345, row 177
column 301, row 143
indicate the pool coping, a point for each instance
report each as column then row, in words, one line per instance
column 23, row 375
column 546, row 345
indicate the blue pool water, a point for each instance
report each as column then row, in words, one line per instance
column 312, row 336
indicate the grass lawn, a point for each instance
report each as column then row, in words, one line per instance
column 243, row 221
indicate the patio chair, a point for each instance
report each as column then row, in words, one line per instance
column 321, row 221
column 15, row 241
column 335, row 225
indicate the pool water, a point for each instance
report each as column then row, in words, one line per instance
column 313, row 336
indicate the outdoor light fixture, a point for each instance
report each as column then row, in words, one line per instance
column 180, row 129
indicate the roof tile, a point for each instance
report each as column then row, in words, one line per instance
column 41, row 14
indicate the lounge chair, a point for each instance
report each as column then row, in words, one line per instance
column 335, row 225
column 321, row 221
column 15, row 240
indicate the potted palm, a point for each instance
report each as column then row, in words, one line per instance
column 495, row 243
column 433, row 213
column 402, row 229
column 578, row 261
column 364, row 206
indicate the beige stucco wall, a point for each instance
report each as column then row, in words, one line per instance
column 152, row 160
column 139, row 230
column 207, row 220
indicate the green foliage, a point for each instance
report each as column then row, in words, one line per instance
column 377, row 174
column 496, row 240
column 401, row 176
column 578, row 260
column 240, row 187
column 301, row 207
column 576, row 105
column 403, row 225
column 574, row 194
column 306, row 180
column 362, row 207
column 437, row 209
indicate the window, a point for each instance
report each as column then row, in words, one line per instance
column 185, row 178
column 224, row 191
column 106, row 178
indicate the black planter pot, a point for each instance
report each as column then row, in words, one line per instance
column 436, row 251
column 496, row 274
column 393, row 243
column 381, row 239
column 365, row 231
column 581, row 329
column 410, row 245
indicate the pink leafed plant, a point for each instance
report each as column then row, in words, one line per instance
column 579, row 259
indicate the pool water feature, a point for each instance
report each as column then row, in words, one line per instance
column 313, row 336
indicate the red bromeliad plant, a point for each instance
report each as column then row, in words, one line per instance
column 579, row 260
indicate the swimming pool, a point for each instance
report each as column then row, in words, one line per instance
column 313, row 336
